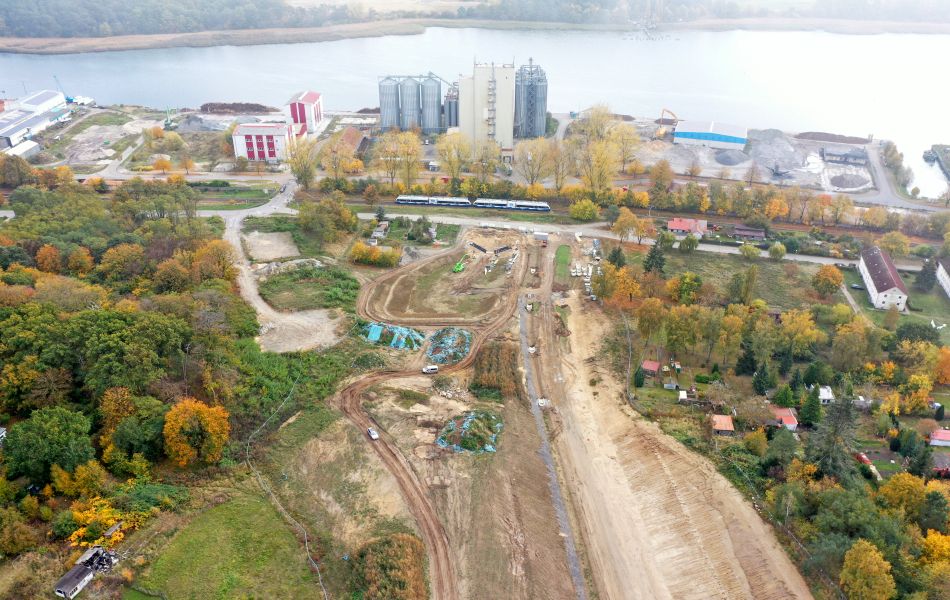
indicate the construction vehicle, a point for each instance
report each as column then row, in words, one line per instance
column 460, row 265
column 663, row 123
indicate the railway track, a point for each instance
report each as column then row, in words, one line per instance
column 442, row 575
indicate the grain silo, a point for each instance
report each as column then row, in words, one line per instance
column 452, row 107
column 431, row 100
column 388, row 104
column 531, row 101
column 409, row 103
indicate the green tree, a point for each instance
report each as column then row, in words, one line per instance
column 782, row 448
column 777, row 251
column 927, row 277
column 865, row 574
column 934, row 512
column 785, row 397
column 689, row 244
column 811, row 408
column 50, row 436
column 831, row 445
column 760, row 381
column 616, row 257
column 654, row 261
column 748, row 285
column 302, row 159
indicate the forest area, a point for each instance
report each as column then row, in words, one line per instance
column 90, row 18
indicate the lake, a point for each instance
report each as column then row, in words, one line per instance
column 892, row 86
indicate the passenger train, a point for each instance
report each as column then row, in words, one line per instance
column 480, row 203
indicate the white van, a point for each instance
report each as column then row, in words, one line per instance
column 430, row 369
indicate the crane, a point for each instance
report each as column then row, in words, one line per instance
column 69, row 98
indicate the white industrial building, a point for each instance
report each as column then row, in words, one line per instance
column 304, row 112
column 262, row 141
column 884, row 284
column 711, row 134
column 943, row 275
column 487, row 105
column 30, row 115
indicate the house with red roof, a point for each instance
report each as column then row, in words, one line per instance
column 940, row 437
column 785, row 416
column 883, row 282
column 304, row 111
column 722, row 425
column 650, row 367
column 680, row 226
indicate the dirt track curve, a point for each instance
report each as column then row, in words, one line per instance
column 441, row 565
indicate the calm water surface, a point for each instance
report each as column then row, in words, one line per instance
column 893, row 86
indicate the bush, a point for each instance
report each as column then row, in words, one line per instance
column 496, row 374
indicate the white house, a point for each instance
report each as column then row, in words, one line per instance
column 943, row 275
column 885, row 286
column 825, row 395
column 262, row 141
column 304, row 112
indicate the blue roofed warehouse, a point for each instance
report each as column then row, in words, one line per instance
column 711, row 134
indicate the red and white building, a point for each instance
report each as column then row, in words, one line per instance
column 262, row 141
column 680, row 226
column 304, row 112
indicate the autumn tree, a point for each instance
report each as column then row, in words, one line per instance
column 162, row 164
column 597, row 162
column 532, row 161
column 584, row 210
column 650, row 317
column 302, row 160
column 777, row 251
column 214, row 260
column 454, row 151
column 730, row 337
column 562, row 160
column 827, row 280
column 626, row 224
column 594, row 124
column 942, row 370
column 865, row 574
column 681, row 328
column 904, row 492
column 800, row 332
column 80, row 261
column 122, row 262
column 841, row 207
column 689, row 244
column 49, row 259
column 336, row 156
column 186, row 164
column 894, row 243
column 195, row 431
column 625, row 139
column 749, row 251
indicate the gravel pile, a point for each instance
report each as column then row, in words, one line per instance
column 849, row 181
column 772, row 147
column 731, row 158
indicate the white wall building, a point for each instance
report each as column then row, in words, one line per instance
column 262, row 141
column 487, row 105
column 884, row 284
column 30, row 115
column 943, row 274
column 304, row 112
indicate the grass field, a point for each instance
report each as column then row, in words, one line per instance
column 235, row 198
column 562, row 264
column 488, row 215
column 309, row 245
column 783, row 284
column 305, row 289
column 239, row 549
column 933, row 305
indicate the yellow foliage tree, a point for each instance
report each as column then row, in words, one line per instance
column 195, row 431
column 116, row 404
column 94, row 517
column 89, row 479
column 214, row 260
column 865, row 574
column 80, row 261
column 904, row 492
column 48, row 259
column 162, row 164
column 942, row 370
column 936, row 547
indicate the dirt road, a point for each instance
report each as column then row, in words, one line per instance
column 658, row 521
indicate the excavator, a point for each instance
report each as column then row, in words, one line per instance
column 661, row 131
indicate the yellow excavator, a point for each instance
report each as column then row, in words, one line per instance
column 662, row 130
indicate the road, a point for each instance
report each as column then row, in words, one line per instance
column 885, row 193
column 600, row 230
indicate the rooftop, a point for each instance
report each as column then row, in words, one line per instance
column 14, row 121
column 942, row 435
column 882, row 270
column 650, row 365
column 40, row 97
column 722, row 423
column 712, row 127
column 679, row 224
column 261, row 128
column 786, row 416
column 306, row 96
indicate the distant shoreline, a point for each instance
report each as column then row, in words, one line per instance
column 252, row 37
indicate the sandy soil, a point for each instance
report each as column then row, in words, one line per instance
column 496, row 508
column 270, row 246
column 658, row 520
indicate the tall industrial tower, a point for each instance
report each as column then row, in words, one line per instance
column 531, row 101
column 487, row 104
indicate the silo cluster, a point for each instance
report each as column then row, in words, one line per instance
column 411, row 102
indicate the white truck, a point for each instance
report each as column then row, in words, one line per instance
column 430, row 369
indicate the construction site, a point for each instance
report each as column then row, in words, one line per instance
column 485, row 475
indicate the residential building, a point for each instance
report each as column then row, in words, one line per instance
column 304, row 112
column 825, row 394
column 940, row 437
column 487, row 105
column 742, row 232
column 650, row 367
column 711, row 134
column 884, row 285
column 262, row 141
column 722, row 425
column 697, row 227
column 787, row 417
column 943, row 274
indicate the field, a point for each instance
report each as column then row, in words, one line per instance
column 488, row 215
column 934, row 305
column 241, row 548
column 235, row 198
column 562, row 263
column 783, row 284
column 309, row 245
column 309, row 288
column 60, row 148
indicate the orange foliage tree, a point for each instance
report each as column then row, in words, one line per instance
column 195, row 431
column 80, row 261
column 942, row 374
column 49, row 259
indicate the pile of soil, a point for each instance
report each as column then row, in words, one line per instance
column 849, row 181
column 731, row 158
column 820, row 136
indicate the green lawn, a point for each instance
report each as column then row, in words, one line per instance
column 308, row 244
column 235, row 198
column 562, row 264
column 447, row 234
column 305, row 289
column 933, row 305
column 782, row 284
column 240, row 549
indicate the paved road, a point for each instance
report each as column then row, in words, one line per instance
column 885, row 194
column 600, row 230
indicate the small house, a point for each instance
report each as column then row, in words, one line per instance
column 697, row 227
column 786, row 417
column 943, row 274
column 742, row 232
column 940, row 437
column 825, row 395
column 650, row 367
column 884, row 284
column 941, row 466
column 722, row 425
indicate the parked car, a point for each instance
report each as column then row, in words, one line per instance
column 430, row 369
column 855, row 286
column 372, row 433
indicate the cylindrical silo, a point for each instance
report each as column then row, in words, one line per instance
column 431, row 105
column 409, row 104
column 452, row 107
column 388, row 104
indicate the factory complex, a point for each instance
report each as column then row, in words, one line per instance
column 270, row 141
column 23, row 118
